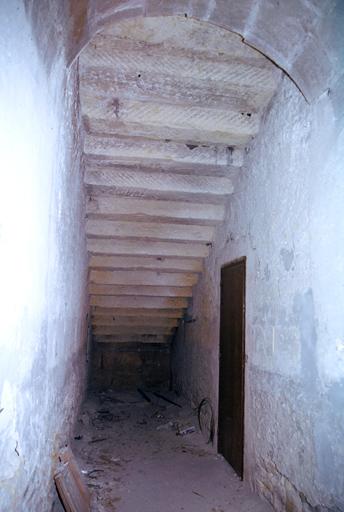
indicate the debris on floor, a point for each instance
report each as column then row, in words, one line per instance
column 171, row 425
column 166, row 399
column 158, row 415
column 206, row 421
column 140, row 464
column 186, row 430
column 144, row 395
column 99, row 440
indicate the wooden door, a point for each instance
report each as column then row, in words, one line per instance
column 232, row 365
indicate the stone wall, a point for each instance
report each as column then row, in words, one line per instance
column 287, row 216
column 42, row 252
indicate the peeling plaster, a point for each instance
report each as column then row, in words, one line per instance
column 287, row 202
column 42, row 253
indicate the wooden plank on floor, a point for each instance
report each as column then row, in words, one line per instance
column 71, row 487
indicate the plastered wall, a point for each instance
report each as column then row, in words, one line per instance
column 287, row 217
column 42, row 252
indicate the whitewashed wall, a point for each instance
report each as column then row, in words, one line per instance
column 287, row 217
column 42, row 254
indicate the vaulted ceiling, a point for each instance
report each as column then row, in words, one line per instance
column 168, row 106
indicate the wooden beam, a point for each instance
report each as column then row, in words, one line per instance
column 141, row 263
column 103, row 81
column 161, row 121
column 138, row 302
column 149, row 165
column 154, row 291
column 151, row 230
column 100, row 330
column 132, row 181
column 142, row 277
column 133, row 321
column 130, row 338
column 137, row 312
column 123, row 57
column 147, row 248
column 138, row 150
column 185, row 35
column 129, row 208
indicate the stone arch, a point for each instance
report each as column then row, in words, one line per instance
column 288, row 33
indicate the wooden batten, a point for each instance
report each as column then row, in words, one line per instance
column 130, row 208
column 142, row 277
column 170, row 183
column 133, row 321
column 137, row 312
column 147, row 248
column 133, row 338
column 148, row 291
column 169, row 106
column 149, row 230
column 138, row 302
column 129, row 150
column 99, row 330
column 166, row 264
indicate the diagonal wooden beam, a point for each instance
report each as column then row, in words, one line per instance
column 137, row 312
column 133, row 321
column 131, row 208
column 138, row 150
column 150, row 263
column 132, row 338
column 148, row 290
column 123, row 179
column 147, row 248
column 105, row 301
column 152, row 230
column 99, row 330
column 142, row 277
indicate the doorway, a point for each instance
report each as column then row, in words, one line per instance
column 232, row 365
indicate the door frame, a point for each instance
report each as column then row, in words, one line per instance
column 242, row 259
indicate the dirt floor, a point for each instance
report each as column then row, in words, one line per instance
column 133, row 459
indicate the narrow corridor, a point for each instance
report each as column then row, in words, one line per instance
column 172, row 218
column 132, row 459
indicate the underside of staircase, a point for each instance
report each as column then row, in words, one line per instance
column 168, row 107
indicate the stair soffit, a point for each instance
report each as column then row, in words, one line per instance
column 168, row 106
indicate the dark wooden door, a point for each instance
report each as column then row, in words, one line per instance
column 232, row 365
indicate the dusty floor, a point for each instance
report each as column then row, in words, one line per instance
column 133, row 461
